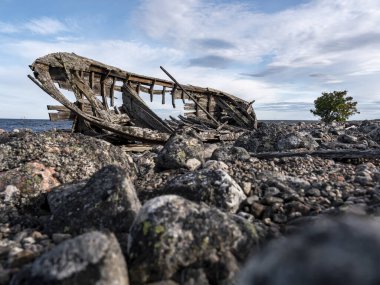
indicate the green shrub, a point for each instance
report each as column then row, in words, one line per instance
column 334, row 106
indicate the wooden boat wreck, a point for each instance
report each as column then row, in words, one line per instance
column 213, row 114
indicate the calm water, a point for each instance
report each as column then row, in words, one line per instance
column 45, row 125
column 34, row 125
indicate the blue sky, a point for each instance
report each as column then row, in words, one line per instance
column 282, row 54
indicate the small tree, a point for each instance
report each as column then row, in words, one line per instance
column 334, row 106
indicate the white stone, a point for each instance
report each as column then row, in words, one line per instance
column 193, row 164
column 10, row 193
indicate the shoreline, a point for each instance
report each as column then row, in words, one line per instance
column 185, row 199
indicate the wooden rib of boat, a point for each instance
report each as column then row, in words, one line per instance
column 213, row 114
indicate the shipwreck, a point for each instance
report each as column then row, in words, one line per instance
column 214, row 115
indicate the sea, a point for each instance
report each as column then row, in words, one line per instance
column 34, row 125
column 46, row 125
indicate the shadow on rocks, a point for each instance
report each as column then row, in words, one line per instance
column 174, row 238
column 92, row 258
column 107, row 201
column 327, row 252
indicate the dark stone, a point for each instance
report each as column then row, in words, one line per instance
column 171, row 233
column 347, row 139
column 327, row 252
column 92, row 258
column 214, row 187
column 37, row 162
column 260, row 140
column 179, row 150
column 296, row 140
column 107, row 201
column 230, row 154
column 375, row 134
column 73, row 157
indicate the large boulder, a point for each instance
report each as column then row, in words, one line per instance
column 173, row 237
column 92, row 258
column 181, row 151
column 327, row 252
column 275, row 138
column 108, row 200
column 213, row 187
column 261, row 140
column 296, row 140
column 375, row 134
column 230, row 154
column 68, row 157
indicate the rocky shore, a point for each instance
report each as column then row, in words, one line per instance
column 79, row 210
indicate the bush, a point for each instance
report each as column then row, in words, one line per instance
column 334, row 106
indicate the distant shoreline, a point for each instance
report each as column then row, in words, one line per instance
column 40, row 125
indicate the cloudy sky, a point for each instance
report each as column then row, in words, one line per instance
column 281, row 53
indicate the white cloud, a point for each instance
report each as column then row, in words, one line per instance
column 291, row 55
column 338, row 39
column 7, row 28
column 46, row 26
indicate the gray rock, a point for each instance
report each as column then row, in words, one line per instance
column 209, row 149
column 327, row 252
column 289, row 141
column 347, row 139
column 364, row 179
column 213, row 187
column 10, row 195
column 178, row 150
column 296, row 140
column 71, row 157
column 262, row 139
column 92, row 258
column 145, row 163
column 375, row 134
column 172, row 235
column 193, row 164
column 107, row 200
column 215, row 165
column 4, row 274
column 37, row 162
column 230, row 154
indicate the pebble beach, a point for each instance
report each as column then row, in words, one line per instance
column 79, row 210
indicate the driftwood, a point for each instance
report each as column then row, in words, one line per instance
column 214, row 114
column 329, row 154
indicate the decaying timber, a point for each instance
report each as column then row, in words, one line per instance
column 214, row 114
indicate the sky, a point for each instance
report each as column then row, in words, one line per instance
column 280, row 53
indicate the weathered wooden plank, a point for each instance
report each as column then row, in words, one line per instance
column 330, row 154
column 191, row 97
column 61, row 116
column 140, row 112
column 92, row 80
column 233, row 113
column 137, row 147
column 151, row 90
column 163, row 94
column 173, row 95
column 112, row 92
column 189, row 108
column 103, row 92
column 57, row 107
